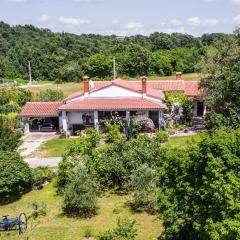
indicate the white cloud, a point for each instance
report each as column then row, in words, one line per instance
column 237, row 19
column 175, row 22
column 210, row 22
column 236, row 1
column 17, row 1
column 133, row 26
column 73, row 21
column 115, row 21
column 44, row 18
column 196, row 22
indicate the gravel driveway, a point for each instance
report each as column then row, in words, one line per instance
column 43, row 162
column 32, row 141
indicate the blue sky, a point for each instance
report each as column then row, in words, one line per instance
column 124, row 17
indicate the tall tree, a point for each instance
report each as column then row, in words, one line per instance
column 221, row 83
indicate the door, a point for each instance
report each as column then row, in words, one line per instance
column 200, row 108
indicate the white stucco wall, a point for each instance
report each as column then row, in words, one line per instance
column 114, row 92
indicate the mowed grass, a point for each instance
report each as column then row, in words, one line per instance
column 182, row 142
column 52, row 148
column 55, row 225
column 67, row 88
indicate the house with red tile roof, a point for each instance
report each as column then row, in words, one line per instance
column 99, row 100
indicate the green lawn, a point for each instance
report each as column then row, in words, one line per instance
column 52, row 148
column 181, row 142
column 67, row 88
column 57, row 226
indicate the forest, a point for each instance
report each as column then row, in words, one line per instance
column 65, row 57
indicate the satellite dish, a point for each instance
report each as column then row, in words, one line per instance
column 91, row 83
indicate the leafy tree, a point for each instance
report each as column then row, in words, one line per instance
column 10, row 137
column 99, row 65
column 113, row 132
column 50, row 95
column 81, row 194
column 70, row 72
column 74, row 154
column 15, row 176
column 221, row 81
column 125, row 230
column 199, row 189
column 143, row 184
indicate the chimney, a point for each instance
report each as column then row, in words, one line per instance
column 85, row 85
column 178, row 75
column 144, row 85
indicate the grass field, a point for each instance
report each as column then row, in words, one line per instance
column 182, row 142
column 57, row 226
column 52, row 148
column 67, row 88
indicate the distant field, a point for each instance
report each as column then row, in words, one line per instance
column 67, row 88
column 55, row 225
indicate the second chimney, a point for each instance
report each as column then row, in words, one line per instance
column 178, row 75
column 144, row 85
column 85, row 85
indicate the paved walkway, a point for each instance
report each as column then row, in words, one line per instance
column 43, row 162
column 32, row 141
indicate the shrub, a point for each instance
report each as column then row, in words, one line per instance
column 162, row 136
column 50, row 95
column 143, row 183
column 125, row 230
column 199, row 189
column 10, row 138
column 15, row 175
column 42, row 174
column 81, row 194
column 113, row 164
column 113, row 132
column 88, row 232
column 38, row 209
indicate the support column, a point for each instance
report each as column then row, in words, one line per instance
column 204, row 109
column 127, row 115
column 64, row 121
column 160, row 115
column 96, row 123
column 26, row 127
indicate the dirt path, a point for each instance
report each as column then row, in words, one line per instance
column 33, row 141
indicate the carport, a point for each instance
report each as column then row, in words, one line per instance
column 40, row 116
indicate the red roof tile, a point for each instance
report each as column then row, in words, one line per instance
column 171, row 85
column 112, row 104
column 155, row 88
column 192, row 89
column 130, row 85
column 40, row 109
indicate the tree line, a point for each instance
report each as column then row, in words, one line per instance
column 66, row 57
